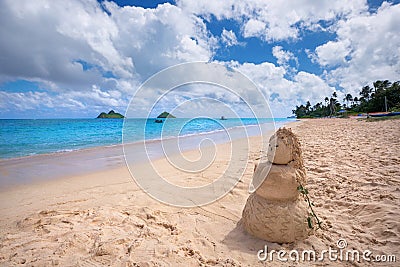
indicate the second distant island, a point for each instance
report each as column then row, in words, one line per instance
column 110, row 115
column 165, row 115
column 162, row 116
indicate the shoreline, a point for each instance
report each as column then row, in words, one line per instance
column 59, row 165
column 276, row 121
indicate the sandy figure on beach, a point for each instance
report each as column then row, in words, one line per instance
column 275, row 211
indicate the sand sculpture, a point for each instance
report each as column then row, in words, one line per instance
column 275, row 211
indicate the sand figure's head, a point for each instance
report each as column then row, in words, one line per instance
column 284, row 167
column 284, row 148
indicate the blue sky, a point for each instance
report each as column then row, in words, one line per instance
column 79, row 58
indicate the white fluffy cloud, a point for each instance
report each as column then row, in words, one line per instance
column 43, row 39
column 77, row 103
column 284, row 94
column 284, row 57
column 76, row 46
column 254, row 27
column 278, row 19
column 367, row 49
column 229, row 38
column 332, row 53
column 160, row 37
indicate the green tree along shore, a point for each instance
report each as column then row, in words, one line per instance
column 382, row 95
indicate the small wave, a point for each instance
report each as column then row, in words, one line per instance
column 65, row 150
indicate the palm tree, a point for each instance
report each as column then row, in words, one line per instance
column 386, row 84
column 348, row 98
column 332, row 105
column 381, row 85
column 326, row 101
column 377, row 85
column 365, row 91
column 308, row 105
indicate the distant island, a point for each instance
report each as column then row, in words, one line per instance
column 111, row 115
column 165, row 115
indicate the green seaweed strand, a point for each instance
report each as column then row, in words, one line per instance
column 304, row 192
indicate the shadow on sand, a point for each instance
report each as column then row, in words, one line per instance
column 238, row 239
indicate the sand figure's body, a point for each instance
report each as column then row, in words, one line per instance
column 275, row 212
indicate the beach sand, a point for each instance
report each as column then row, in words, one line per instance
column 104, row 218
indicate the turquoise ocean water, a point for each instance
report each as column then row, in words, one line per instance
column 25, row 137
